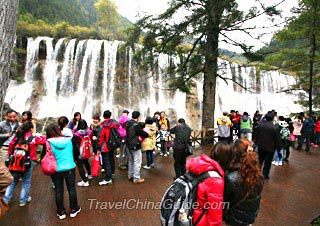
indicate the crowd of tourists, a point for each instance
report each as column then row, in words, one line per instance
column 260, row 141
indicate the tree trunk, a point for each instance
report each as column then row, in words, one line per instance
column 8, row 24
column 211, row 64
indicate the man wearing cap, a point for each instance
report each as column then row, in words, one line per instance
column 268, row 140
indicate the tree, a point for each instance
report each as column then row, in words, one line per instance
column 204, row 24
column 108, row 15
column 297, row 50
column 8, row 24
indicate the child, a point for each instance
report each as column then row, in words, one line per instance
column 164, row 137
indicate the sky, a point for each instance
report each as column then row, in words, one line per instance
column 135, row 9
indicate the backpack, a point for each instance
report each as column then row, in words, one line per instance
column 19, row 159
column 114, row 141
column 85, row 147
column 180, row 196
column 285, row 133
column 132, row 140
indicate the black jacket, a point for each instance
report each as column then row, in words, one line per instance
column 134, row 130
column 244, row 206
column 267, row 137
column 182, row 136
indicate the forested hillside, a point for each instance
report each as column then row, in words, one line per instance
column 66, row 18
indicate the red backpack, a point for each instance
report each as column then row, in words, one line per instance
column 19, row 158
column 85, row 147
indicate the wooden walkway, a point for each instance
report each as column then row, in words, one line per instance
column 290, row 197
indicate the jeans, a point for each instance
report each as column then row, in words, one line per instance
column 304, row 136
column 277, row 157
column 70, row 178
column 180, row 158
column 25, row 187
column 163, row 147
column 123, row 158
column 266, row 158
column 107, row 165
column 149, row 155
column 134, row 164
column 82, row 172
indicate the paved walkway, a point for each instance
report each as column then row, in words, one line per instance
column 290, row 197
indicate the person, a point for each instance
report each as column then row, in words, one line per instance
column 290, row 142
column 8, row 128
column 243, row 185
column 149, row 143
column 245, row 126
column 96, row 129
column 164, row 138
column 181, row 141
column 74, row 123
column 297, row 125
column 63, row 124
column 156, row 118
column 65, row 154
column 209, row 192
column 224, row 127
column 232, row 128
column 317, row 131
column 306, row 131
column 82, row 132
column 108, row 162
column 283, row 128
column 27, row 116
column 133, row 143
column 268, row 140
column 123, row 155
column 24, row 136
column 256, row 120
column 164, row 120
column 235, row 122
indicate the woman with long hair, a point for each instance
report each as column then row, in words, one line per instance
column 62, row 148
column 243, row 185
column 74, row 123
column 24, row 135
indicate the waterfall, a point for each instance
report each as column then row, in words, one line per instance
column 91, row 76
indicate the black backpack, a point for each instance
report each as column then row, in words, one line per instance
column 114, row 141
column 132, row 140
column 181, row 195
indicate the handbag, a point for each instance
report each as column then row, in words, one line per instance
column 95, row 165
column 189, row 150
column 4, row 207
column 292, row 137
column 5, row 177
column 49, row 162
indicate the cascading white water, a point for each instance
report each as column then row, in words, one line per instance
column 82, row 82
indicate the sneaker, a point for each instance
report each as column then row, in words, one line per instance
column 52, row 185
column 161, row 153
column 168, row 153
column 165, row 155
column 280, row 163
column 62, row 215
column 276, row 163
column 103, row 170
column 138, row 181
column 113, row 176
column 146, row 167
column 25, row 203
column 130, row 178
column 90, row 177
column 273, row 162
column 74, row 213
column 83, row 184
column 117, row 156
column 152, row 165
column 105, row 182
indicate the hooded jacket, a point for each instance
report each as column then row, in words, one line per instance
column 209, row 192
column 149, row 143
column 106, row 125
column 62, row 149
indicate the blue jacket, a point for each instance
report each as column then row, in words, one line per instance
column 63, row 151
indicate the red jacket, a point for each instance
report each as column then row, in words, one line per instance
column 209, row 192
column 317, row 127
column 33, row 144
column 105, row 133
